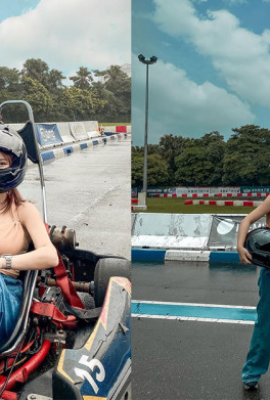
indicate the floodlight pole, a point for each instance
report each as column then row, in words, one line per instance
column 145, row 134
column 152, row 60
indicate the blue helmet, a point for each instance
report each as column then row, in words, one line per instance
column 11, row 143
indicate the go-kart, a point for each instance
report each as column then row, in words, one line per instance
column 72, row 338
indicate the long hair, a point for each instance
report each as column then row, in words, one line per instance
column 13, row 195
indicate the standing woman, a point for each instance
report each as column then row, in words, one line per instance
column 258, row 357
column 20, row 224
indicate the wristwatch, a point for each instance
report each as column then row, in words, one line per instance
column 8, row 258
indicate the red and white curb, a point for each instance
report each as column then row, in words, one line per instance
column 223, row 203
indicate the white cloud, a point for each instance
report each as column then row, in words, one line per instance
column 239, row 55
column 68, row 34
column 180, row 106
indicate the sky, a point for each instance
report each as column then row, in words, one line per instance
column 213, row 68
column 66, row 34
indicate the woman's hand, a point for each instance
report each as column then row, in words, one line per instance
column 244, row 255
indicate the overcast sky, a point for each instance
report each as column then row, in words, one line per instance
column 66, row 34
column 213, row 69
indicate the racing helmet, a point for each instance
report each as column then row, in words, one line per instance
column 258, row 244
column 11, row 143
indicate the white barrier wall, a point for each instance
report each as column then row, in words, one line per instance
column 65, row 132
column 187, row 231
column 91, row 126
column 109, row 129
column 78, row 130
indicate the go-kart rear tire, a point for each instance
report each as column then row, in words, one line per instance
column 105, row 269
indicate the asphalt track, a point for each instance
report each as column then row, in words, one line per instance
column 89, row 191
column 191, row 330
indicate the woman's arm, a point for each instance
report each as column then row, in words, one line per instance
column 45, row 255
column 255, row 215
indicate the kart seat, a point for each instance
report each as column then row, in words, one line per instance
column 29, row 283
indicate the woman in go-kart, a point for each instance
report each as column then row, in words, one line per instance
column 20, row 224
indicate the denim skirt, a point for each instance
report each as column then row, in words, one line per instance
column 11, row 292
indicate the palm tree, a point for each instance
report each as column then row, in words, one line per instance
column 82, row 79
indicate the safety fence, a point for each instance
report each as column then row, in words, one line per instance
column 186, row 237
column 200, row 192
column 63, row 138
column 61, row 133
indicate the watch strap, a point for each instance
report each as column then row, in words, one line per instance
column 8, row 258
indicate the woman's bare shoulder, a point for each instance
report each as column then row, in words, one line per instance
column 27, row 210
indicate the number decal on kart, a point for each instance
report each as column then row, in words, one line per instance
column 93, row 365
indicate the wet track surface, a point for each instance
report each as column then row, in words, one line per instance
column 192, row 359
column 89, row 191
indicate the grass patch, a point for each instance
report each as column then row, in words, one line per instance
column 177, row 206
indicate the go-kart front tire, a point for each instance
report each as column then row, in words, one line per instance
column 105, row 269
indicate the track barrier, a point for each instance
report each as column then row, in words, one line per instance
column 187, row 237
column 236, row 203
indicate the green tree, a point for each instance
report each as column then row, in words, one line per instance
column 36, row 69
column 171, row 147
column 39, row 98
column 157, row 170
column 118, row 87
column 201, row 162
column 54, row 80
column 82, row 103
column 247, row 157
column 83, row 79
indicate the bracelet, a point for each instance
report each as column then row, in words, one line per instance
column 8, row 258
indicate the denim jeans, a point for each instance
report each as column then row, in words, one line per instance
column 259, row 353
column 11, row 292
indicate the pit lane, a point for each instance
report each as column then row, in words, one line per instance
column 89, row 191
column 196, row 354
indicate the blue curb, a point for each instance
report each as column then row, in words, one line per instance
column 83, row 145
column 160, row 254
column 68, row 150
column 224, row 256
column 48, row 155
column 191, row 311
column 112, row 137
column 148, row 254
column 104, row 140
column 95, row 142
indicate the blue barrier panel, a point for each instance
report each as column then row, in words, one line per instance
column 68, row 150
column 148, row 254
column 108, row 133
column 83, row 145
column 95, row 142
column 224, row 256
column 104, row 140
column 48, row 134
column 47, row 155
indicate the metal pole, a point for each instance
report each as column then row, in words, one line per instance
column 145, row 135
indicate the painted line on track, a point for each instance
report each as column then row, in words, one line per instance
column 194, row 312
